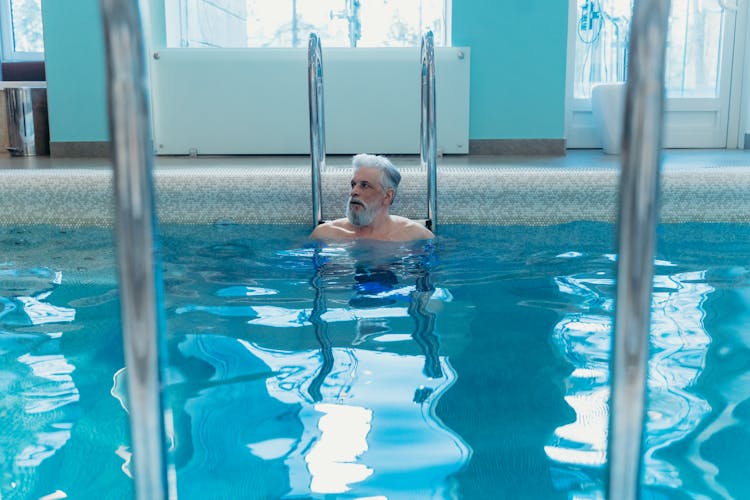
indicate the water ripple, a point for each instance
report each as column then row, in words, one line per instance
column 40, row 312
column 679, row 342
column 59, row 391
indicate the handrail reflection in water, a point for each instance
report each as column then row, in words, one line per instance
column 680, row 343
column 424, row 326
column 321, row 329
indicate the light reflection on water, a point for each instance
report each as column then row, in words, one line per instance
column 47, row 385
column 678, row 347
column 395, row 432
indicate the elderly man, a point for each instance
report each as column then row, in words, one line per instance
column 374, row 185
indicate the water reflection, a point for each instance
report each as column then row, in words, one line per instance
column 678, row 349
column 36, row 378
column 351, row 413
column 321, row 330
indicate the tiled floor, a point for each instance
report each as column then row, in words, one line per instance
column 697, row 185
column 574, row 159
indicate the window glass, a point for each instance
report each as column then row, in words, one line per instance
column 26, row 27
column 693, row 46
column 288, row 23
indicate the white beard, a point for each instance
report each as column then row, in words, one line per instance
column 363, row 217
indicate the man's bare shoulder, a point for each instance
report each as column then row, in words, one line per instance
column 333, row 230
column 407, row 229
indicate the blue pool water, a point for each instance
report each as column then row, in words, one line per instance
column 476, row 367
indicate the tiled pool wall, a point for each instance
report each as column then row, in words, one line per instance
column 493, row 195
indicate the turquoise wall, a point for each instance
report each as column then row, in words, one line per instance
column 518, row 54
column 518, row 51
column 76, row 74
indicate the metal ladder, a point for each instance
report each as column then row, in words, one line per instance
column 427, row 129
column 317, row 123
column 427, row 143
column 136, row 227
column 637, row 218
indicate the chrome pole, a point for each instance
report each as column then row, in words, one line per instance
column 427, row 129
column 135, row 225
column 639, row 185
column 317, row 122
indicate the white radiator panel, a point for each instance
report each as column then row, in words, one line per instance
column 254, row 101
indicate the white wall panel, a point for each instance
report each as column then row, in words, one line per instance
column 254, row 101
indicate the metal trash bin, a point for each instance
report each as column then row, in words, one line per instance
column 28, row 128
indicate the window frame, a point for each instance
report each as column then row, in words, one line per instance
column 7, row 47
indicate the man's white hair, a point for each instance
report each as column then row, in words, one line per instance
column 389, row 174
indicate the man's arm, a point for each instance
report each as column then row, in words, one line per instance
column 411, row 230
column 321, row 232
column 330, row 231
column 420, row 232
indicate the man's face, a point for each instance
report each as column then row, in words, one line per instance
column 367, row 196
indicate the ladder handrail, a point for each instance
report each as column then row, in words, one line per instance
column 135, row 224
column 428, row 135
column 427, row 128
column 637, row 219
column 317, row 123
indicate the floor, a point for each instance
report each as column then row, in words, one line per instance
column 696, row 186
column 574, row 159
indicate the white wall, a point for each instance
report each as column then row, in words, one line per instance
column 254, row 101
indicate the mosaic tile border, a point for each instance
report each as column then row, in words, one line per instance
column 467, row 195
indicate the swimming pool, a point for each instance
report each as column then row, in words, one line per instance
column 472, row 368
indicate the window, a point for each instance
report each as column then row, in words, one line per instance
column 287, row 23
column 693, row 47
column 703, row 76
column 21, row 28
